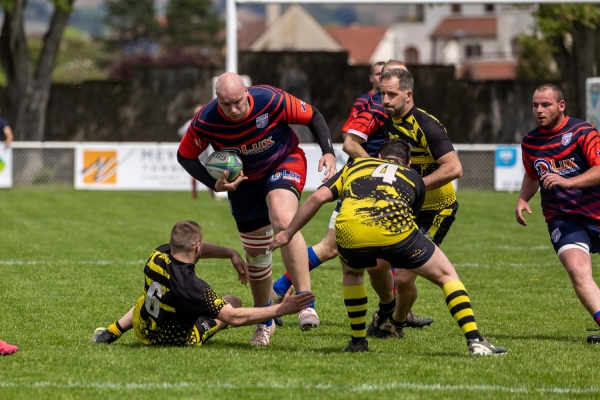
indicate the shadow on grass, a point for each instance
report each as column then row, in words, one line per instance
column 564, row 338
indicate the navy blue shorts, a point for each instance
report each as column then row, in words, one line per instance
column 574, row 229
column 412, row 252
column 248, row 203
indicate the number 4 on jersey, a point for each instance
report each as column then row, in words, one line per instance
column 387, row 172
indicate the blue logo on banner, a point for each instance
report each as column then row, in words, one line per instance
column 506, row 157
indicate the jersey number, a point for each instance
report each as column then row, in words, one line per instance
column 153, row 296
column 389, row 176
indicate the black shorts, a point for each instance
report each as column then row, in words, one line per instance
column 435, row 224
column 205, row 329
column 248, row 202
column 412, row 252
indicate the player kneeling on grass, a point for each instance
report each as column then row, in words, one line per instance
column 178, row 308
column 381, row 198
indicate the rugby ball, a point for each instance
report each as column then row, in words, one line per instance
column 220, row 161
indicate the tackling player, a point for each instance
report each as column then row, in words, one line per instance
column 178, row 308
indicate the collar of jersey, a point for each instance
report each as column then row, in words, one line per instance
column 410, row 112
column 558, row 128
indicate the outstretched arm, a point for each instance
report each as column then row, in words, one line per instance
column 248, row 316
column 210, row 250
column 304, row 214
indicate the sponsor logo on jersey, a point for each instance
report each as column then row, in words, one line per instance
column 566, row 138
column 302, row 106
column 276, row 176
column 258, row 147
column 556, row 234
column 285, row 175
column 262, row 121
column 205, row 327
column 418, row 252
column 561, row 167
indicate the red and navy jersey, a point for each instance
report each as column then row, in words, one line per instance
column 368, row 125
column 356, row 107
column 263, row 139
column 568, row 150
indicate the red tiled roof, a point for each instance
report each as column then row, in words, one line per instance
column 250, row 31
column 488, row 70
column 457, row 27
column 359, row 41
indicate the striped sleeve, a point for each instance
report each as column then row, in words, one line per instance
column 296, row 111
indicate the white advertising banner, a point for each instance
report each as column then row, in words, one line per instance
column 508, row 168
column 150, row 166
column 130, row 167
column 592, row 103
column 314, row 178
column 6, row 164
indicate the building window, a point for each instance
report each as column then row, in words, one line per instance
column 516, row 47
column 473, row 50
column 411, row 56
column 456, row 8
column 488, row 8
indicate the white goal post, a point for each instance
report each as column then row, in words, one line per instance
column 231, row 15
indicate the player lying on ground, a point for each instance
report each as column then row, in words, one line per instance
column 178, row 308
column 381, row 198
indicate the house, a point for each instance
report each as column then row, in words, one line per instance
column 296, row 29
column 479, row 39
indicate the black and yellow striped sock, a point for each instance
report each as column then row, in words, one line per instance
column 386, row 310
column 459, row 305
column 355, row 301
column 115, row 329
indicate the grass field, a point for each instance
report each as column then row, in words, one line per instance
column 71, row 261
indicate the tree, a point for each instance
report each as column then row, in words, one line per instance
column 571, row 33
column 133, row 24
column 28, row 83
column 192, row 23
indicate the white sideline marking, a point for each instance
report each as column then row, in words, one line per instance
column 374, row 387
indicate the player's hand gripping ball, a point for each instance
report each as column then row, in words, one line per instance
column 220, row 161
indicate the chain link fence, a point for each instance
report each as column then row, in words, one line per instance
column 52, row 166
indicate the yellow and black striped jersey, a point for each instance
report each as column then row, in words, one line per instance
column 173, row 299
column 380, row 202
column 429, row 141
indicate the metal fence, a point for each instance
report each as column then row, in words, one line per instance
column 51, row 165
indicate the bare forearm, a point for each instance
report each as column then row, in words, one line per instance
column 449, row 169
column 591, row 177
column 210, row 250
column 352, row 147
column 529, row 188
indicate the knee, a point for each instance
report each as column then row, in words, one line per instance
column 258, row 257
column 404, row 280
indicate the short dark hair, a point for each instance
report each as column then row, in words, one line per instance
column 378, row 63
column 394, row 64
column 405, row 79
column 558, row 94
column 185, row 235
column 398, row 148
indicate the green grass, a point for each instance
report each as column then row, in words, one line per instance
column 71, row 261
